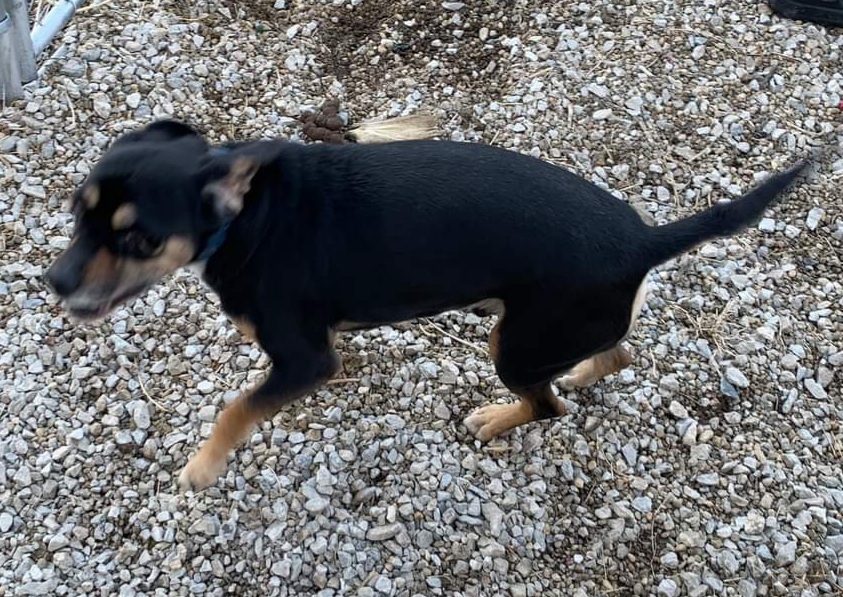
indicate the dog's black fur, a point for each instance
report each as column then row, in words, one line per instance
column 322, row 238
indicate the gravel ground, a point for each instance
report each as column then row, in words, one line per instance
column 712, row 466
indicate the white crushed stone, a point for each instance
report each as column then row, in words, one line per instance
column 666, row 479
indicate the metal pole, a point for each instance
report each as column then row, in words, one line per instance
column 11, row 86
column 19, row 13
column 53, row 22
column 19, row 48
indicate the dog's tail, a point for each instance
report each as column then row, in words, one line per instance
column 720, row 220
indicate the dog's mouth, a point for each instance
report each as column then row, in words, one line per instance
column 94, row 312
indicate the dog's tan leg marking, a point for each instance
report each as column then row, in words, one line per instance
column 249, row 409
column 596, row 367
column 494, row 419
column 637, row 305
column 232, row 425
column 245, row 327
column 613, row 360
column 494, row 341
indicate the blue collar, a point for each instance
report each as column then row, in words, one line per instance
column 213, row 243
column 216, row 239
column 219, row 150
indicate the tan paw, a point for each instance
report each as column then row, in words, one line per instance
column 572, row 382
column 491, row 420
column 580, row 376
column 201, row 472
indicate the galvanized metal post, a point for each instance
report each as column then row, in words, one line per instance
column 59, row 15
column 17, row 59
column 11, row 87
column 19, row 12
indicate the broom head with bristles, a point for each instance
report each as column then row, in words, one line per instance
column 400, row 128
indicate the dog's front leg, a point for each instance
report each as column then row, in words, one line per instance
column 290, row 378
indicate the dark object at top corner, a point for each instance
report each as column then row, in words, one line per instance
column 825, row 12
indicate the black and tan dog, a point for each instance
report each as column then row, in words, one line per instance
column 301, row 241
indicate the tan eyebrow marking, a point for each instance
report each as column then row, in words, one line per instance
column 91, row 196
column 124, row 216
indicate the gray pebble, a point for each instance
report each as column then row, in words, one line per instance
column 207, row 525
column 275, row 531
column 689, row 436
column 441, row 411
column 205, row 386
column 57, row 542
column 728, row 562
column 708, row 479
column 429, row 370
column 785, row 553
column 424, row 539
column 767, row 225
column 691, row 538
column 319, row 546
column 737, row 378
column 6, row 521
column 494, row 516
column 815, row 216
column 630, row 454
column 208, row 413
column 668, row 588
column 23, row 477
column 173, row 439
column 835, row 543
column 133, row 100
column 384, row 532
column 140, row 415
column 591, row 423
column 816, row 390
column 46, row 587
column 754, row 523
column 747, row 588
column 677, row 410
column 642, row 504
column 728, row 389
column 316, row 505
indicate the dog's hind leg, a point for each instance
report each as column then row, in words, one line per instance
column 537, row 340
column 535, row 399
column 609, row 361
column 533, row 404
column 291, row 377
column 596, row 367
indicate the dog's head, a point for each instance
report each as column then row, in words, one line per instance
column 144, row 211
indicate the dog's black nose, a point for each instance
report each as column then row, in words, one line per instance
column 62, row 281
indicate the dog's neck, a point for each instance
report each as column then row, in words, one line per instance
column 229, row 249
column 215, row 240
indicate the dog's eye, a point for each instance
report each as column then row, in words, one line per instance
column 138, row 244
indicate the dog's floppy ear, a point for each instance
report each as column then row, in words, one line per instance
column 227, row 176
column 225, row 195
column 161, row 130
